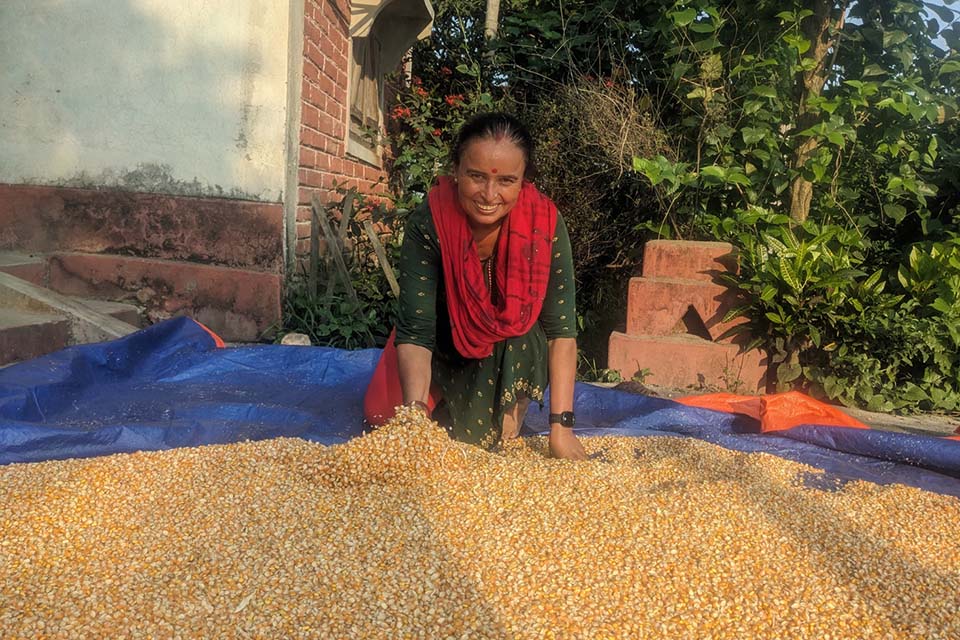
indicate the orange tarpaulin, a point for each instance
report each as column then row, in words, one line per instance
column 776, row 412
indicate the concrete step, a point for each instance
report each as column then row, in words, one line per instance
column 237, row 304
column 28, row 334
column 122, row 311
column 682, row 361
column 665, row 306
column 84, row 322
column 687, row 259
column 32, row 268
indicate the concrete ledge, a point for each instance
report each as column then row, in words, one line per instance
column 239, row 305
column 224, row 231
column 682, row 361
column 662, row 306
column 26, row 335
column 687, row 259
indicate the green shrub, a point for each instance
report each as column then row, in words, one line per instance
column 336, row 320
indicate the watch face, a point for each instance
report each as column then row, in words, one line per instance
column 565, row 419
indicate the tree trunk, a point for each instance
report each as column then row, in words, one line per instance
column 493, row 18
column 810, row 83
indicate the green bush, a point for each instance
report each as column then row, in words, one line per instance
column 336, row 320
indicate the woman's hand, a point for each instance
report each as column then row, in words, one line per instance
column 565, row 445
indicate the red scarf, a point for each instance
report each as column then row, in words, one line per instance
column 522, row 268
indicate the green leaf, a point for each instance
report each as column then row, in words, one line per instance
column 774, row 317
column 683, row 18
column 872, row 281
column 764, row 91
column 714, row 173
column 788, row 372
column 815, row 336
column 873, row 70
column 950, row 66
column 893, row 38
column 753, row 135
column 703, row 27
column 895, row 211
column 789, row 275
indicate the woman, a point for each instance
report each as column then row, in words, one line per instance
column 487, row 312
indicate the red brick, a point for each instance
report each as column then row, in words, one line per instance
column 324, row 160
column 325, row 85
column 686, row 259
column 310, row 70
column 325, row 123
column 311, row 138
column 237, row 304
column 311, row 31
column 687, row 361
column 313, row 178
column 303, row 195
column 308, row 157
column 329, row 181
column 311, row 116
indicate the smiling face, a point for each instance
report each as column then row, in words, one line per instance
column 489, row 178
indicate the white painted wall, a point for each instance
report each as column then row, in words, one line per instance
column 169, row 96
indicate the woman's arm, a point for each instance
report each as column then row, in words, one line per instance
column 413, row 361
column 562, row 362
column 417, row 319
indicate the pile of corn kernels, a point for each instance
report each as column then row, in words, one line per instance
column 404, row 533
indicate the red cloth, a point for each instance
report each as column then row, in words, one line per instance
column 522, row 269
column 384, row 393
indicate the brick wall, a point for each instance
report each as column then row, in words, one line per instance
column 323, row 156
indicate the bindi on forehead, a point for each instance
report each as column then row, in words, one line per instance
column 494, row 170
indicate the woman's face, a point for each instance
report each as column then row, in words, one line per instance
column 489, row 178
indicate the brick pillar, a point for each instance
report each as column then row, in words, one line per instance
column 675, row 322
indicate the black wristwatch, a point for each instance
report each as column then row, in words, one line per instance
column 565, row 419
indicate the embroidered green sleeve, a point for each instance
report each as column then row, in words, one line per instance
column 420, row 270
column 559, row 315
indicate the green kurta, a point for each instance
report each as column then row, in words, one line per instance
column 478, row 392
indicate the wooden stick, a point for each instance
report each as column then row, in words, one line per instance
column 382, row 258
column 314, row 274
column 335, row 248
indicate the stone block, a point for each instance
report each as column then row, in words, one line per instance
column 687, row 259
column 237, row 304
column 683, row 361
column 665, row 306
column 26, row 335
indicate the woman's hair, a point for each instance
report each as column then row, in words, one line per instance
column 495, row 126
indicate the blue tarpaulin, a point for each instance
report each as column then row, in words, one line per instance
column 172, row 385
